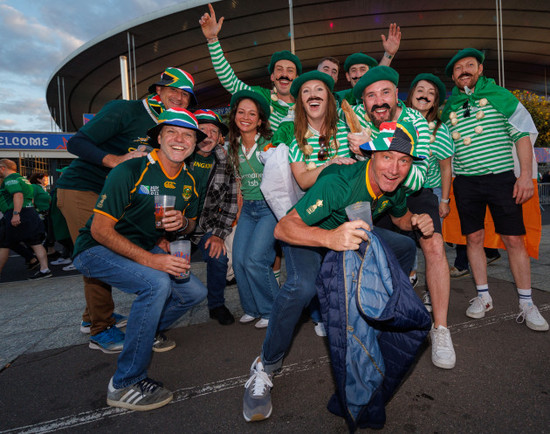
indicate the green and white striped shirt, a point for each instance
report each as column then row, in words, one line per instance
column 483, row 141
column 295, row 153
column 418, row 174
column 279, row 109
column 441, row 149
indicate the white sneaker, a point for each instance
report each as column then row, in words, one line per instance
column 426, row 299
column 262, row 324
column 532, row 317
column 69, row 267
column 61, row 261
column 443, row 352
column 320, row 329
column 245, row 319
column 478, row 307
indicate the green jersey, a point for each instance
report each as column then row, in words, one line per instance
column 483, row 140
column 15, row 183
column 324, row 204
column 251, row 170
column 41, row 198
column 200, row 168
column 279, row 109
column 119, row 127
column 128, row 198
column 441, row 148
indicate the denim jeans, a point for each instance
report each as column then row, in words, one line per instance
column 160, row 301
column 302, row 266
column 216, row 270
column 253, row 256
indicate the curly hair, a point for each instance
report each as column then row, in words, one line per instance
column 330, row 122
column 234, row 133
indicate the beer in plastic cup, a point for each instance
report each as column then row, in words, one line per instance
column 360, row 211
column 163, row 203
column 181, row 249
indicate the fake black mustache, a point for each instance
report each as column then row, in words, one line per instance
column 376, row 107
column 283, row 77
column 466, row 74
column 423, row 98
column 314, row 98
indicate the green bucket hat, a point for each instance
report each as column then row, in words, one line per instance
column 245, row 93
column 284, row 55
column 466, row 52
column 378, row 73
column 432, row 79
column 359, row 58
column 178, row 117
column 175, row 77
column 209, row 117
column 395, row 136
column 308, row 76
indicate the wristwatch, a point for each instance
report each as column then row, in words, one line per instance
column 16, row 213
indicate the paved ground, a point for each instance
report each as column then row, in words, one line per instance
column 51, row 381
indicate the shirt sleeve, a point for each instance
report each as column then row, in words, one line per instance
column 223, row 69
column 419, row 169
column 321, row 199
column 443, row 147
column 116, row 193
column 295, row 154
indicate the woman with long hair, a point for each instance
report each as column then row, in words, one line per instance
column 254, row 243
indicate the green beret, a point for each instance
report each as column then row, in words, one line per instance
column 308, row 76
column 284, row 55
column 250, row 94
column 378, row 73
column 358, row 59
column 467, row 52
column 433, row 79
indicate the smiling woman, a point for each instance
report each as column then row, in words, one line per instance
column 254, row 243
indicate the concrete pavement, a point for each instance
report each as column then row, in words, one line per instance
column 51, row 381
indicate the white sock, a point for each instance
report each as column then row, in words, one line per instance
column 483, row 292
column 47, row 270
column 525, row 296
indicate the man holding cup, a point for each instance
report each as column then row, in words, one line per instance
column 319, row 222
column 118, row 245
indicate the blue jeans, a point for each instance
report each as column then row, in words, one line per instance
column 216, row 270
column 160, row 301
column 253, row 256
column 302, row 266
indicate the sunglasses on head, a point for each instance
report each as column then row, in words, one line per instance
column 466, row 107
column 322, row 155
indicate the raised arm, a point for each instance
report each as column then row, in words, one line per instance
column 210, row 28
column 391, row 44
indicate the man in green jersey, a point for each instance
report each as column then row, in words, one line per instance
column 486, row 122
column 284, row 67
column 116, row 134
column 22, row 222
column 119, row 246
column 319, row 222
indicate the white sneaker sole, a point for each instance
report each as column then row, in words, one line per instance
column 128, row 406
column 258, row 417
column 478, row 315
column 95, row 346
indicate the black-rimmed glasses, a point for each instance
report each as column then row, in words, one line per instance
column 466, row 107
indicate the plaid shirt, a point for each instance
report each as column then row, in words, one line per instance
column 220, row 205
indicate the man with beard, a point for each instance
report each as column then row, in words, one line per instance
column 358, row 63
column 284, row 67
column 486, row 122
column 116, row 134
column 378, row 90
column 217, row 189
column 319, row 222
column 118, row 245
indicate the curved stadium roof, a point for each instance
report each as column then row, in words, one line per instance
column 433, row 31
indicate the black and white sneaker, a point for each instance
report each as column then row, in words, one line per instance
column 39, row 275
column 144, row 395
